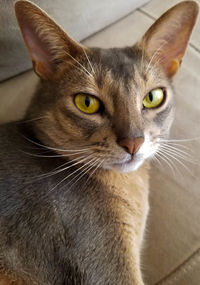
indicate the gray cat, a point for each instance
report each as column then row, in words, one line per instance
column 74, row 172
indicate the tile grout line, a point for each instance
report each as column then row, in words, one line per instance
column 111, row 24
column 194, row 47
column 146, row 14
column 185, row 267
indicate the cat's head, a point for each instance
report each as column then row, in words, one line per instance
column 109, row 107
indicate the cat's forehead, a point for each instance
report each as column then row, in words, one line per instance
column 120, row 61
column 125, row 70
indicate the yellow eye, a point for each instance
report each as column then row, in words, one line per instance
column 87, row 103
column 154, row 98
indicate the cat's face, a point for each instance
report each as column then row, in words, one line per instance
column 119, row 81
column 106, row 107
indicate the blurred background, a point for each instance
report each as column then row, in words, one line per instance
column 171, row 252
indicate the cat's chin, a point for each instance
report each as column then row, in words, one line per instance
column 127, row 166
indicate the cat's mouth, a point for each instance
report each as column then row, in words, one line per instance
column 130, row 164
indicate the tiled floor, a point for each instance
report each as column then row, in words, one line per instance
column 174, row 224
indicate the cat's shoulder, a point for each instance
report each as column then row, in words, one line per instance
column 10, row 134
column 17, row 149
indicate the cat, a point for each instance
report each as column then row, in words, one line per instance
column 74, row 173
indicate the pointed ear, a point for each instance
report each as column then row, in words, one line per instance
column 166, row 40
column 48, row 45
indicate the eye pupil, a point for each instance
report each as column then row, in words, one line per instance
column 150, row 96
column 87, row 101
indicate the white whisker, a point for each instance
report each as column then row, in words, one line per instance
column 52, row 148
column 88, row 73
column 88, row 60
column 31, row 120
column 83, row 158
column 181, row 140
column 178, row 160
column 64, row 179
column 170, row 164
column 142, row 60
column 57, row 155
column 98, row 165
column 80, row 69
column 174, row 144
column 156, row 160
column 179, row 153
column 83, row 172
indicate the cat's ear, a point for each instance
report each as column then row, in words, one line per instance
column 166, row 40
column 48, row 45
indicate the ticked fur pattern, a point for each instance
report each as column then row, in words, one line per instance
column 73, row 199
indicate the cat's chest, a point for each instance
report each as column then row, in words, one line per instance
column 128, row 199
column 130, row 186
column 129, row 194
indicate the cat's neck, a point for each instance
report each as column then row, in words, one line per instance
column 123, row 179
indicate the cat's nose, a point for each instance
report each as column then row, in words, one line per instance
column 132, row 145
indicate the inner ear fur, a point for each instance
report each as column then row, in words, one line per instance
column 49, row 47
column 166, row 40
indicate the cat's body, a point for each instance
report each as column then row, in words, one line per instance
column 73, row 176
column 97, row 223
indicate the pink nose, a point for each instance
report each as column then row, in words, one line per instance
column 132, row 145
